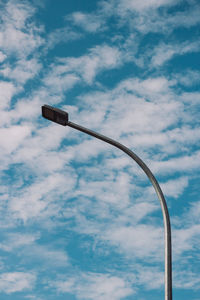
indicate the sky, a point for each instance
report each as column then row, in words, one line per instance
column 79, row 220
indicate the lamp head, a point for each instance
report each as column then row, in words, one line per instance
column 54, row 114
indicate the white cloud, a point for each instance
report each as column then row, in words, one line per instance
column 18, row 240
column 41, row 149
column 150, row 277
column 148, row 17
column 89, row 22
column 58, row 81
column 169, row 141
column 143, row 5
column 133, row 107
column 149, row 87
column 7, row 90
column 165, row 52
column 114, row 191
column 18, row 35
column 144, row 114
column 185, row 163
column 70, row 70
column 154, row 21
column 33, row 297
column 102, row 287
column 174, row 188
column 27, row 248
column 143, row 16
column 192, row 215
column 17, row 13
column 45, row 255
column 190, row 98
column 28, row 109
column 186, row 279
column 64, row 286
column 2, row 56
column 12, row 137
column 189, row 78
column 23, row 71
column 61, row 35
column 16, row 281
column 39, row 199
column 185, row 240
column 140, row 241
column 19, row 38
column 96, row 287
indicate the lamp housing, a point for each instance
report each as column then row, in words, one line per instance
column 55, row 115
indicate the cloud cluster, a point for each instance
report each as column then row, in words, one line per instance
column 16, row 281
column 20, row 37
column 59, row 185
column 96, row 286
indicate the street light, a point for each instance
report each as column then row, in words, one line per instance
column 58, row 116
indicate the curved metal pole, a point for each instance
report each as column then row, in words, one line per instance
column 166, row 219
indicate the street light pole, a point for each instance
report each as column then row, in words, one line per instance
column 61, row 117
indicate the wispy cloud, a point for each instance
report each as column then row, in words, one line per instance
column 61, row 35
column 7, row 91
column 89, row 22
column 137, row 240
column 18, row 240
column 37, row 206
column 22, row 72
column 164, row 52
column 175, row 188
column 18, row 34
column 144, row 5
column 152, row 16
column 12, row 137
column 68, row 71
column 96, row 286
column 16, row 281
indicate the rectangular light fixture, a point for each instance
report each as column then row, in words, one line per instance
column 54, row 114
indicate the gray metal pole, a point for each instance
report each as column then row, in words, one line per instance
column 166, row 219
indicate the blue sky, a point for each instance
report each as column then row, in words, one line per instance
column 79, row 220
